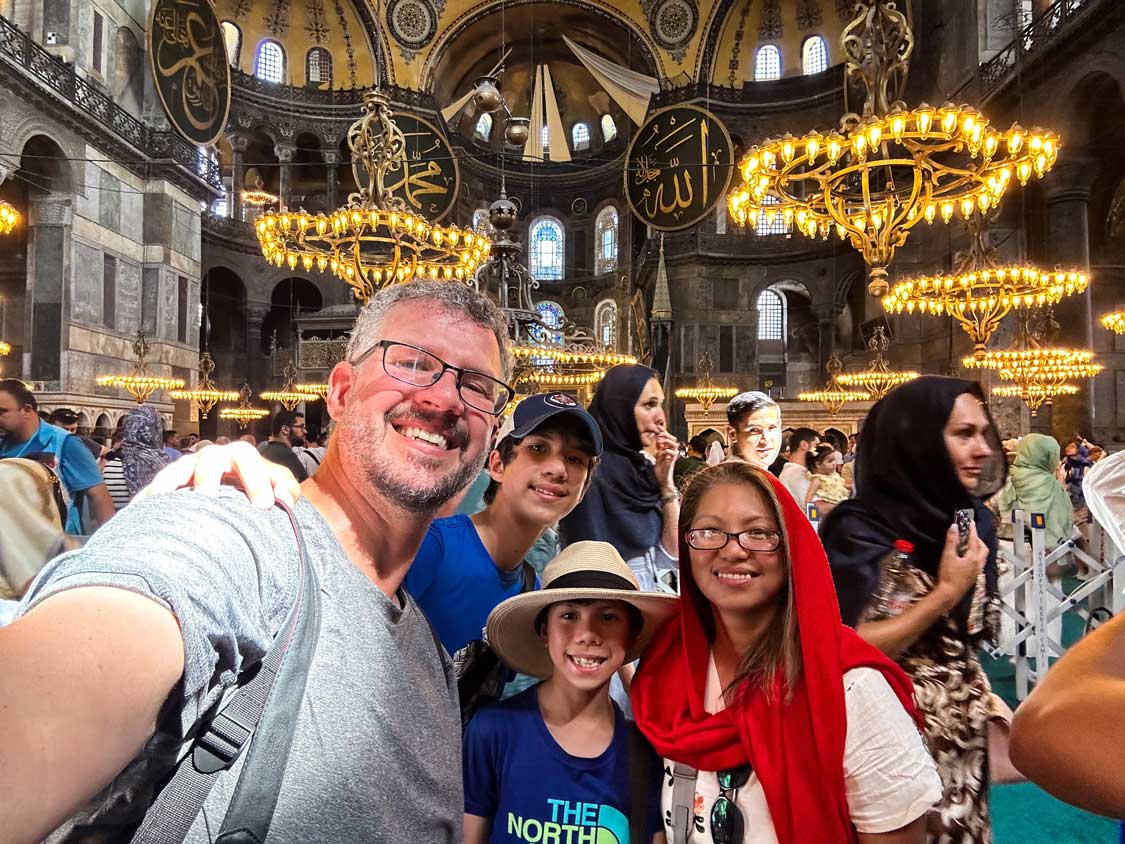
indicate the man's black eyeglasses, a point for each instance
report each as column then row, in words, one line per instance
column 419, row 368
column 713, row 539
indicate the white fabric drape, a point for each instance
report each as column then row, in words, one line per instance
column 557, row 147
column 533, row 149
column 454, row 107
column 631, row 90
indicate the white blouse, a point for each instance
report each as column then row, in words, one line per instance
column 889, row 776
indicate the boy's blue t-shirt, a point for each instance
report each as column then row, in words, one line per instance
column 456, row 583
column 517, row 775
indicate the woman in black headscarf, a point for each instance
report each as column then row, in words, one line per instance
column 928, row 450
column 632, row 502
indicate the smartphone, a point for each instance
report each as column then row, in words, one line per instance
column 964, row 519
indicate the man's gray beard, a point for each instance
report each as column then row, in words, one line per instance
column 358, row 437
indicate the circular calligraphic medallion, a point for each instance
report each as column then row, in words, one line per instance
column 678, row 166
column 188, row 58
column 428, row 177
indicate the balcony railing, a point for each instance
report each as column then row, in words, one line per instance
column 1031, row 40
column 17, row 48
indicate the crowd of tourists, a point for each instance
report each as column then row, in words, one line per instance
column 441, row 623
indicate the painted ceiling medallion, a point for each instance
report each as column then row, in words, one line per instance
column 413, row 23
column 673, row 23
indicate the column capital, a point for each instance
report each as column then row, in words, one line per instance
column 826, row 312
column 285, row 152
column 53, row 209
column 257, row 310
column 239, row 142
column 1071, row 179
column 331, row 156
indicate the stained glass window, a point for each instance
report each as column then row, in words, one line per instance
column 770, row 223
column 771, row 315
column 484, row 127
column 605, row 324
column 580, row 135
column 605, row 230
column 232, row 38
column 546, row 260
column 270, row 63
column 318, row 66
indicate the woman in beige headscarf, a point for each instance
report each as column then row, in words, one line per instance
column 31, row 523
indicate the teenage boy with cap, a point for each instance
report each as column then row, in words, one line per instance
column 559, row 762
column 541, row 466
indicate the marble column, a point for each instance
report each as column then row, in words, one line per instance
column 238, row 146
column 1068, row 200
column 826, row 316
column 48, row 278
column 285, row 153
column 331, row 162
column 256, row 313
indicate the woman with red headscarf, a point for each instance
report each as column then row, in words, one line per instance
column 776, row 722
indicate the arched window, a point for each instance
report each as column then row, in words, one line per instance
column 269, row 65
column 767, row 65
column 814, row 55
column 771, row 315
column 480, row 220
column 544, row 137
column 770, row 222
column 318, row 67
column 605, row 324
column 232, row 38
column 609, row 128
column 551, row 313
column 546, row 260
column 580, row 135
column 605, row 233
column 483, row 131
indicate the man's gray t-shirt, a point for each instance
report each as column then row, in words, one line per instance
column 376, row 754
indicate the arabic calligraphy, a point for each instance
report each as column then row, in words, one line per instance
column 428, row 178
column 189, row 66
column 678, row 166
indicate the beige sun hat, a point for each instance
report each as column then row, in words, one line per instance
column 583, row 571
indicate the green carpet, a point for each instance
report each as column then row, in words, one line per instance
column 1025, row 814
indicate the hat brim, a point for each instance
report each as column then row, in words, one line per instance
column 511, row 625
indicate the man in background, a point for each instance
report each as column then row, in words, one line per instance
column 287, row 431
column 795, row 473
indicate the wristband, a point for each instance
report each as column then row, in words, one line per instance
column 672, row 495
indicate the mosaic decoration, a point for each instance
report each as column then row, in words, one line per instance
column 678, row 167
column 845, row 9
column 808, row 14
column 349, row 48
column 579, row 206
column 277, row 18
column 315, row 27
column 770, row 26
column 672, row 23
column 413, row 24
column 187, row 54
column 242, row 9
column 736, row 52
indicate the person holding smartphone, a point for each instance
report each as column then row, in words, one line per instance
column 913, row 557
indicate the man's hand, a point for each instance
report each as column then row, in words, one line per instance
column 264, row 482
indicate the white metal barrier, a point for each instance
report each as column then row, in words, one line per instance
column 1036, row 602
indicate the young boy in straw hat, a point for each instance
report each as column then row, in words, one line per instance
column 558, row 762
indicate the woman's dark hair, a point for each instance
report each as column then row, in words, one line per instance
column 812, row 458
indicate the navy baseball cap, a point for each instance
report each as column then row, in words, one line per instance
column 535, row 410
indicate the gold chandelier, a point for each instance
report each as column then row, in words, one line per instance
column 140, row 383
column 373, row 240
column 5, row 349
column 878, row 379
column 1114, row 321
column 289, row 395
column 1037, row 372
column 313, row 391
column 205, row 395
column 834, row 395
column 981, row 291
column 577, row 364
column 705, row 391
column 9, row 216
column 887, row 170
column 259, row 198
column 244, row 413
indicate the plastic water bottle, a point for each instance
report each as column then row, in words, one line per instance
column 897, row 588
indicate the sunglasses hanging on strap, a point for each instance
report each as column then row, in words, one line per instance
column 262, row 714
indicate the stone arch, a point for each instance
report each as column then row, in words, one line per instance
column 292, row 294
column 104, row 426
column 44, row 166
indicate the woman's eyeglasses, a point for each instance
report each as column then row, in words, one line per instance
column 419, row 368
column 713, row 539
column 728, row 826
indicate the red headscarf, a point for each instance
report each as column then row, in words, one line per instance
column 796, row 746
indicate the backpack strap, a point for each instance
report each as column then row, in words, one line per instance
column 265, row 708
column 315, row 459
column 683, row 801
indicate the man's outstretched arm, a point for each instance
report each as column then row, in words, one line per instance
column 82, row 678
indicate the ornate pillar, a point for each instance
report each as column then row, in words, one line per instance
column 331, row 162
column 238, row 145
column 826, row 316
column 48, row 279
column 1068, row 200
column 256, row 313
column 285, row 153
